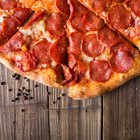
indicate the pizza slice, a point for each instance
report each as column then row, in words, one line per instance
column 38, row 50
column 12, row 15
column 101, row 58
column 121, row 15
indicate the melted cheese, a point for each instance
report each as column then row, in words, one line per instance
column 38, row 31
column 105, row 55
column 53, row 63
column 3, row 15
column 86, row 58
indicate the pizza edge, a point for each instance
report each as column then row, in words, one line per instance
column 45, row 76
column 89, row 89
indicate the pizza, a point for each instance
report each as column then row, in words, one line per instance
column 71, row 43
column 121, row 15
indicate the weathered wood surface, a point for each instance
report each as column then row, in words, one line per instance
column 114, row 116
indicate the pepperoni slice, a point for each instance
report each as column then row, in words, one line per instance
column 91, row 46
column 10, row 24
column 36, row 17
column 63, row 6
column 77, row 9
column 120, row 1
column 99, row 5
column 14, row 44
column 87, row 22
column 78, row 24
column 58, row 50
column 69, row 77
column 81, row 67
column 9, row 27
column 21, row 14
column 25, row 61
column 108, row 36
column 41, row 52
column 135, row 7
column 8, row 4
column 119, row 17
column 71, row 82
column 125, row 47
column 92, row 22
column 71, row 60
column 100, row 70
column 121, row 62
column 75, row 42
column 67, row 73
column 55, row 24
column 2, row 38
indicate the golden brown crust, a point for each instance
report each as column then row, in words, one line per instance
column 45, row 76
column 48, row 5
column 89, row 89
column 27, row 3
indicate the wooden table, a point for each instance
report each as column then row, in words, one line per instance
column 113, row 116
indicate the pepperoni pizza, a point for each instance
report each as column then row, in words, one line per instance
column 121, row 15
column 64, row 44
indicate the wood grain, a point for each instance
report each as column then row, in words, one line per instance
column 46, row 117
column 121, row 112
column 114, row 116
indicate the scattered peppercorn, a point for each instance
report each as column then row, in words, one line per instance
column 23, row 88
column 19, row 89
column 36, row 85
column 25, row 98
column 63, row 94
column 18, row 94
column 27, row 90
column 16, row 98
column 10, row 89
column 58, row 98
column 13, row 100
column 22, row 110
column 31, row 98
column 3, row 83
column 24, row 93
column 49, row 93
column 17, row 78
column 54, row 102
column 14, row 75
column 27, row 80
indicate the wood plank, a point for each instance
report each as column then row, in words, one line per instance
column 121, row 112
column 42, row 119
column 75, row 119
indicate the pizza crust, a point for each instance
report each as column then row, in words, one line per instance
column 45, row 76
column 89, row 89
column 48, row 5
